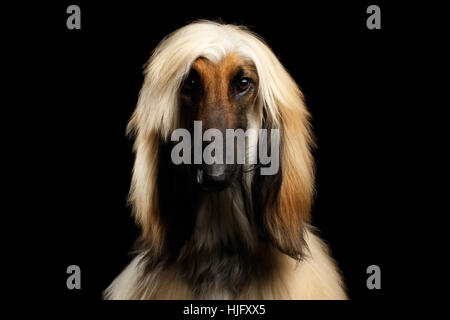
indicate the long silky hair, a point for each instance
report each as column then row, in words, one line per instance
column 283, row 200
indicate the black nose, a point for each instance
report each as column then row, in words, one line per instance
column 214, row 177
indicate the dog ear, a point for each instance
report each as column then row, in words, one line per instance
column 154, row 118
column 143, row 195
column 291, row 211
column 285, row 199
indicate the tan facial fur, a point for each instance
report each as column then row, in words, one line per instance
column 217, row 102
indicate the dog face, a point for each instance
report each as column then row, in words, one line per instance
column 220, row 95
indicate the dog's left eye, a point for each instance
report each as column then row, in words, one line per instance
column 243, row 84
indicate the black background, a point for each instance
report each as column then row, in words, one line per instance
column 89, row 81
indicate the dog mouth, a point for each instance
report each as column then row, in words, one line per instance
column 214, row 178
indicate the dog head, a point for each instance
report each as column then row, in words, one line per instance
column 224, row 77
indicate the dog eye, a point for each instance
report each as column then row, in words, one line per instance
column 192, row 82
column 243, row 84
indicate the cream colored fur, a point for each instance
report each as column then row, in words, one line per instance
column 315, row 277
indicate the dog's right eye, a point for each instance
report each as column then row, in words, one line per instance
column 192, row 82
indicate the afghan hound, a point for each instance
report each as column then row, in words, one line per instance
column 214, row 230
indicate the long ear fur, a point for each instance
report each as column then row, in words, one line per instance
column 285, row 223
column 288, row 196
column 143, row 195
